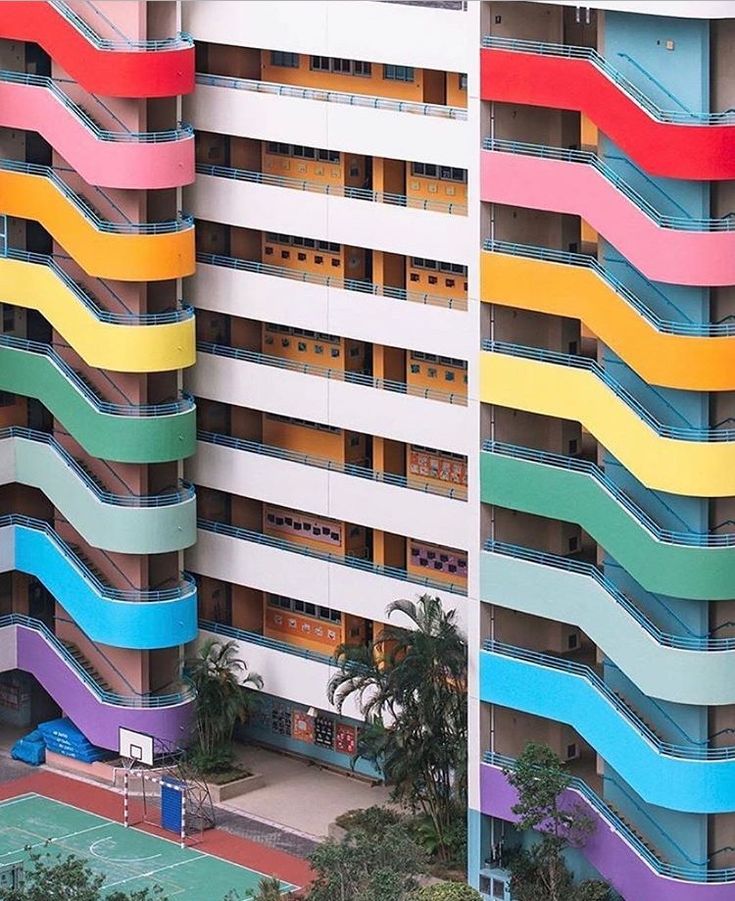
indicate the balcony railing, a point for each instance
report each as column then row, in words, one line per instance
column 165, row 499
column 328, row 281
column 264, row 642
column 678, row 223
column 182, row 405
column 177, row 42
column 687, row 539
column 695, row 873
column 134, row 699
column 165, row 317
column 88, row 211
column 567, row 51
column 690, row 642
column 378, row 569
column 340, row 375
column 694, row 751
column 186, row 588
column 346, row 191
column 668, row 327
column 585, row 363
column 181, row 132
column 363, row 100
column 350, row 469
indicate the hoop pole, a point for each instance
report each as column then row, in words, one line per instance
column 183, row 816
column 126, row 792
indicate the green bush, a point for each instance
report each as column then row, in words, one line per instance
column 447, row 891
column 371, row 820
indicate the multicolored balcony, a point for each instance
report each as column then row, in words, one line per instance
column 678, row 459
column 147, row 433
column 93, row 707
column 124, row 250
column 110, row 157
column 110, row 67
column 687, row 564
column 677, row 250
column 676, row 354
column 667, row 142
column 633, row 864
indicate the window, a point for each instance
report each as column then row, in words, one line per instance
column 463, row 81
column 398, row 73
column 445, row 173
column 341, row 66
column 287, row 60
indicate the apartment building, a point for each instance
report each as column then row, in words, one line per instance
column 422, row 297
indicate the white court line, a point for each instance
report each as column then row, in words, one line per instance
column 54, row 841
column 159, row 870
column 18, row 798
column 110, row 838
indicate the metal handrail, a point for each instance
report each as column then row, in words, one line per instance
column 180, row 314
column 363, row 100
column 185, row 589
column 264, row 642
column 665, row 748
column 135, row 699
column 380, row 569
column 668, row 327
column 180, row 41
column 341, row 375
column 87, row 210
column 185, row 493
column 181, row 132
column 183, row 405
column 677, row 117
column 350, row 469
column 346, row 284
column 585, row 363
column 663, row 868
column 346, row 191
column 691, row 643
column 559, row 461
column 586, row 157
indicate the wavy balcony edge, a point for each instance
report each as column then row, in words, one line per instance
column 118, row 342
column 683, row 668
column 112, row 68
column 125, row 523
column 123, row 250
column 674, row 144
column 689, row 461
column 101, row 156
column 97, row 712
column 613, row 848
column 687, row 564
column 691, row 777
column 676, row 354
column 147, row 433
column 141, row 619
column 673, row 250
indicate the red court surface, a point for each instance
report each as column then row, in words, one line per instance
column 103, row 802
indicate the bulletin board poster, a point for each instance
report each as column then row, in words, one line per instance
column 303, row 726
column 345, row 739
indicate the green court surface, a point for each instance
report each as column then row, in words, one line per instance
column 129, row 858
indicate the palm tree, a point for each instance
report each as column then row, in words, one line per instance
column 221, row 681
column 410, row 685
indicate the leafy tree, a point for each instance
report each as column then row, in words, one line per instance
column 51, row 878
column 221, row 681
column 366, row 866
column 447, row 891
column 410, row 684
column 541, row 874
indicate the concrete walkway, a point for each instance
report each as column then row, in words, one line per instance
column 299, row 795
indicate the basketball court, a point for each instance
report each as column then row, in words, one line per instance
column 129, row 858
